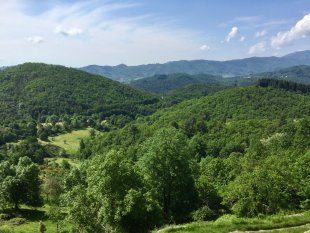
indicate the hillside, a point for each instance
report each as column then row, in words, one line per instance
column 245, row 66
column 165, row 83
column 234, row 111
column 242, row 151
column 37, row 93
column 299, row 74
column 32, row 90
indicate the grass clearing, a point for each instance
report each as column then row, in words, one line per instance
column 32, row 218
column 70, row 142
column 230, row 223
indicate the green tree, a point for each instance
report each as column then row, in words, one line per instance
column 20, row 184
column 167, row 170
column 269, row 188
column 116, row 201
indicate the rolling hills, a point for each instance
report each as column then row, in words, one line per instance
column 168, row 82
column 299, row 74
column 230, row 68
column 241, row 151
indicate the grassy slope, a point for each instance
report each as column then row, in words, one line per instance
column 229, row 223
column 33, row 217
column 70, row 142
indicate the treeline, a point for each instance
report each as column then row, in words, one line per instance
column 168, row 82
column 283, row 84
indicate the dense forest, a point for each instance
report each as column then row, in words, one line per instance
column 243, row 151
column 221, row 150
column 165, row 83
column 37, row 93
column 298, row 74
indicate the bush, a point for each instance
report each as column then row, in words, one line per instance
column 17, row 221
column 5, row 217
column 204, row 213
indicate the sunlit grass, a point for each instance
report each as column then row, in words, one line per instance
column 230, row 223
column 70, row 142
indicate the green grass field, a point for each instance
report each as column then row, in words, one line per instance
column 70, row 142
column 230, row 223
column 31, row 225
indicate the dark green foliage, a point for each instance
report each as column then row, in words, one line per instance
column 28, row 148
column 299, row 74
column 20, row 183
column 166, row 83
column 167, row 170
column 283, row 84
column 33, row 93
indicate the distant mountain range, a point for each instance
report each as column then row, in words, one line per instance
column 168, row 82
column 239, row 67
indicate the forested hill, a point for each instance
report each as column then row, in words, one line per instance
column 168, row 82
column 236, row 67
column 300, row 74
column 33, row 90
column 249, row 112
column 242, row 151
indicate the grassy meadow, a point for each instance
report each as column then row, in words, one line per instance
column 230, row 223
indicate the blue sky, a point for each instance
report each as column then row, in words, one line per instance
column 105, row 32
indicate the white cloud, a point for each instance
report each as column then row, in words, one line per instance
column 258, row 48
column 261, row 33
column 300, row 30
column 108, row 37
column 36, row 39
column 204, row 47
column 233, row 32
column 242, row 38
column 69, row 31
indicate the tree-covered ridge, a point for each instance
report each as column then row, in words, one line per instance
column 166, row 83
column 32, row 90
column 241, row 109
column 284, row 84
column 243, row 151
column 298, row 74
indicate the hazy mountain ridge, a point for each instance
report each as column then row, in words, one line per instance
column 236, row 67
column 299, row 74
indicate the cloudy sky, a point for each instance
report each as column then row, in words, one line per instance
column 105, row 32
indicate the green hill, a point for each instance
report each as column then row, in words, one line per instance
column 32, row 90
column 299, row 74
column 165, row 83
column 45, row 93
column 244, row 111
column 242, row 151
